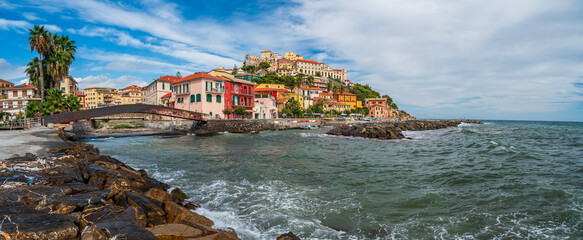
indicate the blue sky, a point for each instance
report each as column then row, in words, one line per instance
column 518, row 60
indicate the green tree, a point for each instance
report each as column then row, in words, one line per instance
column 39, row 40
column 227, row 112
column 329, row 86
column 249, row 68
column 310, row 81
column 178, row 74
column 316, row 108
column 293, row 107
column 55, row 102
column 318, row 74
column 389, row 99
column 240, row 111
column 394, row 106
column 264, row 65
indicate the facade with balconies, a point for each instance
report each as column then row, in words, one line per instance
column 98, row 97
column 200, row 92
column 239, row 93
column 18, row 97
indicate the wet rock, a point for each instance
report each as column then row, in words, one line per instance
column 175, row 231
column 288, row 236
column 91, row 232
column 21, row 222
column 151, row 208
column 158, row 195
column 117, row 221
column 177, row 214
column 178, row 195
column 393, row 130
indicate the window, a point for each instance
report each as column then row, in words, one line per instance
column 211, row 113
column 192, row 98
column 209, row 98
column 218, row 98
column 162, row 86
column 236, row 88
column 198, row 97
column 63, row 89
column 186, row 87
column 207, row 87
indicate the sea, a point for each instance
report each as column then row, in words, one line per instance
column 498, row 180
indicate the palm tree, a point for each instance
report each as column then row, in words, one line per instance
column 39, row 40
column 61, row 56
column 33, row 72
column 329, row 86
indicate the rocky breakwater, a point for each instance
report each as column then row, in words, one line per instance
column 394, row 130
column 214, row 127
column 76, row 193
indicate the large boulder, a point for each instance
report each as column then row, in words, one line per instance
column 175, row 231
column 178, row 214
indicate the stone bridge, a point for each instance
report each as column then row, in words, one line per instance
column 120, row 109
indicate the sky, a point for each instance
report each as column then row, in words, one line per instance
column 508, row 60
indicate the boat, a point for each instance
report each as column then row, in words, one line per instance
column 309, row 127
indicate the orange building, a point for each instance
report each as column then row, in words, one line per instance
column 346, row 98
column 378, row 108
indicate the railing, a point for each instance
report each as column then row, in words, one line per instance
column 19, row 123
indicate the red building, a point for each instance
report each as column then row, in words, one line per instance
column 239, row 93
column 81, row 97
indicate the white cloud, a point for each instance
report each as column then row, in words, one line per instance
column 454, row 56
column 128, row 62
column 105, row 80
column 23, row 26
column 31, row 16
column 166, row 47
column 8, row 72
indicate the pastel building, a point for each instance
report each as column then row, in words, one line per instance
column 4, row 84
column 346, row 98
column 265, row 108
column 97, row 97
column 158, row 88
column 69, row 86
column 200, row 92
column 130, row 95
column 378, row 108
column 18, row 97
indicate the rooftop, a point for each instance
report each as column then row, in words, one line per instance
column 199, row 75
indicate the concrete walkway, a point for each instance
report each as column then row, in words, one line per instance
column 36, row 141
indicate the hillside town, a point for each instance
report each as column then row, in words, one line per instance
column 268, row 86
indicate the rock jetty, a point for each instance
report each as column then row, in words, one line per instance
column 76, row 193
column 393, row 130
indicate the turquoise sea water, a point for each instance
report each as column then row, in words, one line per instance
column 500, row 180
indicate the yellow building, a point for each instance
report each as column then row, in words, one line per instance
column 292, row 56
column 330, row 104
column 274, row 86
column 130, row 95
column 69, row 86
column 346, row 98
column 97, row 97
column 358, row 104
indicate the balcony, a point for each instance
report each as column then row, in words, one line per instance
column 241, row 93
column 215, row 90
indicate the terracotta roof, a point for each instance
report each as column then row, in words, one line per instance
column 312, row 88
column 132, row 87
column 347, row 93
column 167, row 95
column 4, row 81
column 168, row 78
column 282, row 100
column 337, row 70
column 265, row 89
column 307, row 61
column 199, row 75
column 21, row 86
column 325, row 93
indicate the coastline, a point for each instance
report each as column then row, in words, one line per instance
column 70, row 191
column 93, row 195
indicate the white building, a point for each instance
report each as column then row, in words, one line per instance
column 18, row 98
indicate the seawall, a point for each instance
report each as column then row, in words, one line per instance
column 234, row 126
column 393, row 130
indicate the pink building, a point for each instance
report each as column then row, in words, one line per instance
column 265, row 108
column 200, row 92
